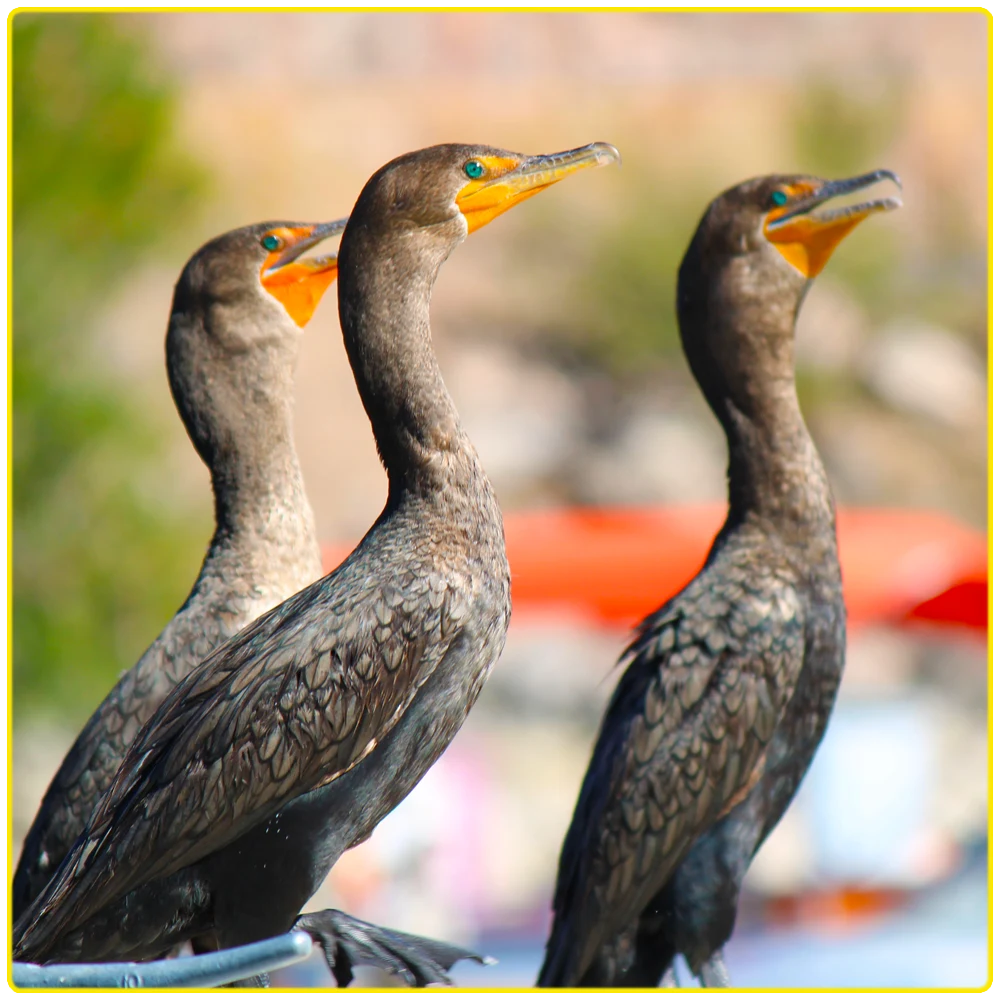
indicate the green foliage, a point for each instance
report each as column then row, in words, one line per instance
column 626, row 322
column 98, row 567
column 839, row 132
column 625, row 318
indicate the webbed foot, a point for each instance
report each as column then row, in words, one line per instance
column 347, row 942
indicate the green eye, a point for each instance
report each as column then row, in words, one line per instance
column 474, row 169
column 271, row 242
column 778, row 198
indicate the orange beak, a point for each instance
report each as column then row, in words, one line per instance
column 807, row 239
column 510, row 180
column 299, row 284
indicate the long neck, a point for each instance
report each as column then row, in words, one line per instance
column 385, row 291
column 261, row 507
column 237, row 409
column 775, row 472
column 741, row 350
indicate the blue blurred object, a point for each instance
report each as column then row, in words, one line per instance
column 939, row 940
column 867, row 796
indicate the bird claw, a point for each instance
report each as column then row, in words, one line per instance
column 714, row 974
column 347, row 942
column 262, row 981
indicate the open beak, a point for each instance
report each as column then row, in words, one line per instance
column 509, row 180
column 296, row 283
column 806, row 238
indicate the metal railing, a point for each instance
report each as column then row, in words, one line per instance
column 212, row 969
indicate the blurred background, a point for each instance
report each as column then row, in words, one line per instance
column 137, row 137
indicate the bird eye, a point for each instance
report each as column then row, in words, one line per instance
column 271, row 242
column 474, row 169
column 778, row 198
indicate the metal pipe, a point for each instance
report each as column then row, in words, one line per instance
column 211, row 969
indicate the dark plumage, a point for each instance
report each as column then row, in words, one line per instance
column 231, row 353
column 729, row 686
column 295, row 738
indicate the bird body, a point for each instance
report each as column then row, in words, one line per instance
column 291, row 741
column 231, row 350
column 229, row 807
column 729, row 686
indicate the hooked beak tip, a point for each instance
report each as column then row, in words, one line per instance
column 606, row 153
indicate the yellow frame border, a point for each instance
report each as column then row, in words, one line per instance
column 527, row 9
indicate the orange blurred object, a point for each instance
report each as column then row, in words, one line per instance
column 618, row 564
column 836, row 907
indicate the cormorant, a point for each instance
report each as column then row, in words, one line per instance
column 729, row 685
column 232, row 345
column 296, row 737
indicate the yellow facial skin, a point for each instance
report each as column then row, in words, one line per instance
column 482, row 200
column 299, row 284
column 508, row 180
column 807, row 241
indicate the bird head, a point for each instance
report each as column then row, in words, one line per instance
column 745, row 274
column 235, row 325
column 442, row 193
column 297, row 282
column 800, row 226
column 256, row 277
column 782, row 226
